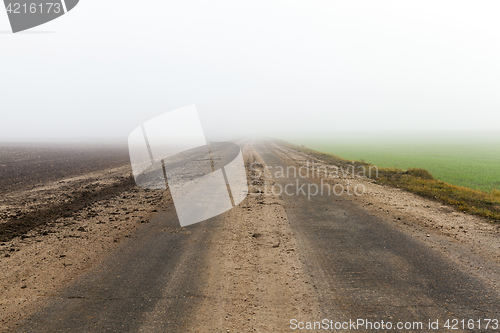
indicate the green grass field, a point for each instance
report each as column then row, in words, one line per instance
column 475, row 165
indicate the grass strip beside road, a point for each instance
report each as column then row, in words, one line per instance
column 421, row 182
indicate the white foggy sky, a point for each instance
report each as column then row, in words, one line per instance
column 253, row 67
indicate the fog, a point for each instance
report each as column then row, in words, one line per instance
column 267, row 68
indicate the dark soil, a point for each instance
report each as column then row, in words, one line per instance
column 22, row 166
column 23, row 223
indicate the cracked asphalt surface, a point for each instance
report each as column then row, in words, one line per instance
column 360, row 266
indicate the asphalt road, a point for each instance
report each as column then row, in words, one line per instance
column 149, row 284
column 152, row 282
column 365, row 268
column 361, row 266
